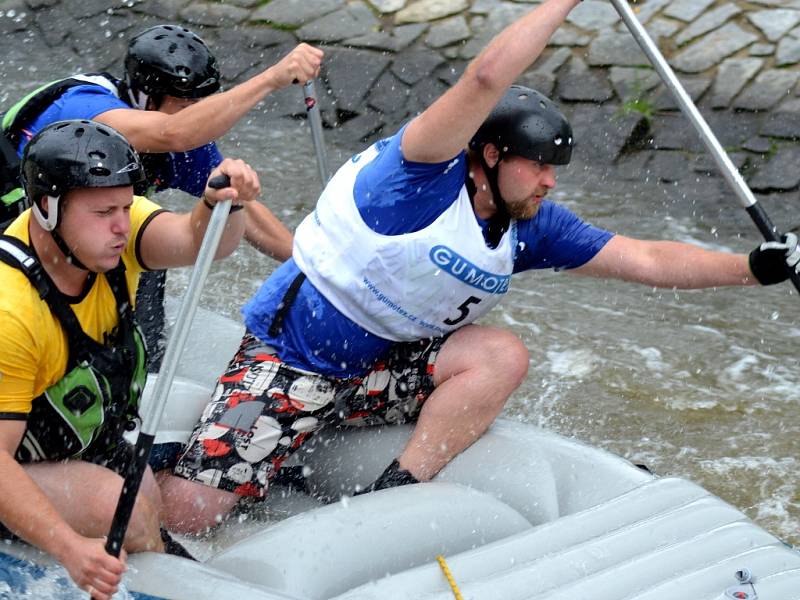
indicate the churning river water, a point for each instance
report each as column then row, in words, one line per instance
column 701, row 384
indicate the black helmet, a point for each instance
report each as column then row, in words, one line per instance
column 526, row 123
column 171, row 60
column 75, row 154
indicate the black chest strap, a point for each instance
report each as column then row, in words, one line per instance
column 276, row 326
column 19, row 255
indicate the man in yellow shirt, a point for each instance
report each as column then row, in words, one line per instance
column 72, row 360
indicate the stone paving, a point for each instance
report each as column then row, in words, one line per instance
column 388, row 59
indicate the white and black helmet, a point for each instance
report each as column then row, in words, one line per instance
column 67, row 155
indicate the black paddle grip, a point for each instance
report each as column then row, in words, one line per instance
column 219, row 182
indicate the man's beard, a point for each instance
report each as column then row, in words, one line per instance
column 524, row 209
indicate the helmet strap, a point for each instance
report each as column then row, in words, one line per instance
column 136, row 98
column 68, row 254
column 500, row 220
column 48, row 221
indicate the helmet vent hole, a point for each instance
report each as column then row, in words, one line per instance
column 79, row 132
column 97, row 155
column 171, row 61
column 99, row 171
column 523, row 97
column 543, row 104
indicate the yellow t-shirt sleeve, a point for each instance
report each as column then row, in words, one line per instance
column 141, row 210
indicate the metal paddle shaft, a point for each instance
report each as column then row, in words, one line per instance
column 315, row 120
column 166, row 374
column 731, row 174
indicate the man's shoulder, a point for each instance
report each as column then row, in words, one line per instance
column 95, row 96
column 19, row 299
column 16, row 290
column 82, row 87
column 142, row 210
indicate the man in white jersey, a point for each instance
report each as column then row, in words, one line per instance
column 372, row 321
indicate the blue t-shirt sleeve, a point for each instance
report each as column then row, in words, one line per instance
column 556, row 239
column 188, row 171
column 396, row 196
column 79, row 102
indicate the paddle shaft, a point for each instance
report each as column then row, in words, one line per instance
column 177, row 340
column 315, row 121
column 729, row 172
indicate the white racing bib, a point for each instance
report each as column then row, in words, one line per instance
column 401, row 287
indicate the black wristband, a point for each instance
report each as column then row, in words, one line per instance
column 234, row 207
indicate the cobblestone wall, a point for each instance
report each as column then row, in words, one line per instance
column 387, row 59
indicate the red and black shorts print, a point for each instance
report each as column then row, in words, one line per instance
column 263, row 410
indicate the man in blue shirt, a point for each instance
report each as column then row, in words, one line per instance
column 373, row 319
column 167, row 107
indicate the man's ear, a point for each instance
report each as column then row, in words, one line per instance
column 491, row 155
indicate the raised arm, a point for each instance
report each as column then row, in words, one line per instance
column 667, row 264
column 174, row 239
column 446, row 127
column 213, row 116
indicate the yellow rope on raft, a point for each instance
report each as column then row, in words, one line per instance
column 449, row 576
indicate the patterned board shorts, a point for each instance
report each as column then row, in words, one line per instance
column 262, row 410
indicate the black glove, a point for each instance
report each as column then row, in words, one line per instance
column 770, row 260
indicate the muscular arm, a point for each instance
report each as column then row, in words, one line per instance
column 446, row 127
column 211, row 117
column 667, row 264
column 266, row 233
column 173, row 240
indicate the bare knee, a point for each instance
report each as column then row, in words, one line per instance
column 508, row 357
column 143, row 531
column 191, row 507
column 496, row 355
column 503, row 361
column 489, row 362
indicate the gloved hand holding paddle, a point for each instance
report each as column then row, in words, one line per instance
column 772, row 262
